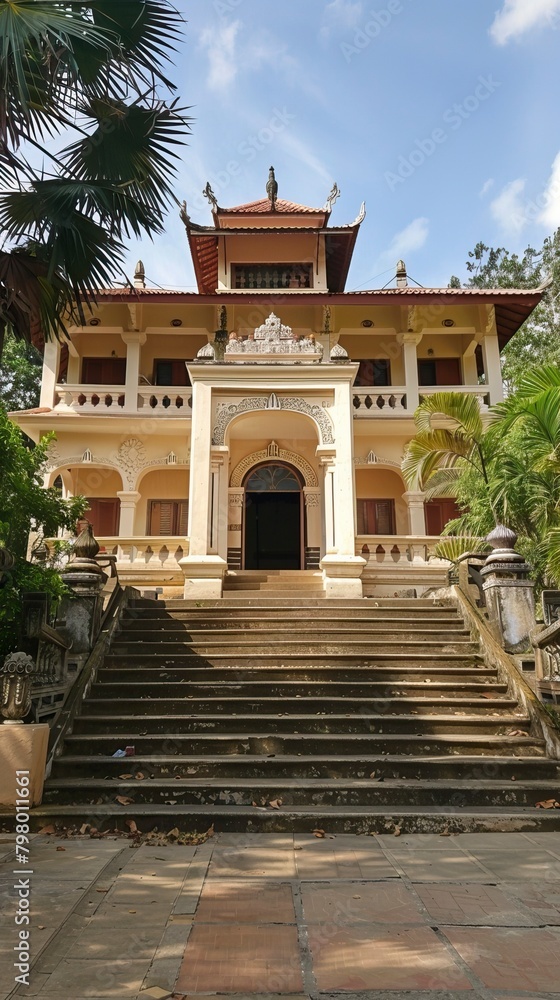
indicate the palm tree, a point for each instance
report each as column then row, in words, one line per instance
column 92, row 70
column 449, row 441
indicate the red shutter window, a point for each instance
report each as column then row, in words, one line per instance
column 103, row 515
column 104, row 371
column 168, row 517
column 376, row 517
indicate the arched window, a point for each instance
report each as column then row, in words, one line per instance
column 273, row 478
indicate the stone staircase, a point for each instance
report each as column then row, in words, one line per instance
column 296, row 584
column 355, row 716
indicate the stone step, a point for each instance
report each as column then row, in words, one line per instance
column 233, row 692
column 270, row 612
column 320, row 706
column 342, row 819
column 303, row 792
column 302, row 744
column 268, row 768
column 318, row 637
column 381, row 620
column 175, row 668
column 334, row 724
column 233, row 648
column 411, row 604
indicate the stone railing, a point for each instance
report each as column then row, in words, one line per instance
column 159, row 552
column 166, row 399
column 546, row 643
column 391, row 401
column 90, row 398
column 393, row 549
column 374, row 402
column 170, row 400
column 481, row 391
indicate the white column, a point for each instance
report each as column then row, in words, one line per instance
column 470, row 371
column 203, row 568
column 218, row 513
column 342, row 568
column 409, row 343
column 328, row 463
column 134, row 342
column 128, row 500
column 416, row 513
column 492, row 367
column 51, row 360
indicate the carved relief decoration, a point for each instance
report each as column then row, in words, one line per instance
column 247, row 463
column 236, row 499
column 312, row 499
column 373, row 459
column 129, row 460
column 227, row 411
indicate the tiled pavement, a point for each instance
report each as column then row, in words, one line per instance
column 264, row 916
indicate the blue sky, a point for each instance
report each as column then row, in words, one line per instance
column 443, row 115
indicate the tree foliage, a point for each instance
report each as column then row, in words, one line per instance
column 537, row 342
column 505, row 471
column 89, row 75
column 20, row 375
column 25, row 505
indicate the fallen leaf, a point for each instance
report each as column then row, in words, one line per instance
column 61, row 848
column 84, row 828
column 139, row 776
column 132, row 911
column 102, row 890
column 373, row 774
column 487, row 694
column 124, row 800
column 397, row 831
column 41, row 927
column 174, row 833
column 275, row 803
column 547, row 804
column 517, row 732
column 47, row 830
column 320, row 834
column 125, row 777
column 131, row 825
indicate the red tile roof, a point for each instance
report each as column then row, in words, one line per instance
column 262, row 207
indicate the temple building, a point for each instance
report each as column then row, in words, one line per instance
column 253, row 431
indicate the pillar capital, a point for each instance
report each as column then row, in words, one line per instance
column 133, row 337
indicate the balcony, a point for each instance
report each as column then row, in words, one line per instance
column 160, row 400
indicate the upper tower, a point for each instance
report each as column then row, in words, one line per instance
column 271, row 245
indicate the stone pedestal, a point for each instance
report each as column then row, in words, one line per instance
column 508, row 592
column 342, row 576
column 204, row 576
column 22, row 748
column 81, row 613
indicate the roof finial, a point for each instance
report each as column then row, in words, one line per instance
column 402, row 277
column 333, row 196
column 272, row 189
column 140, row 275
column 211, row 197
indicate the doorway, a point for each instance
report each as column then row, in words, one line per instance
column 273, row 518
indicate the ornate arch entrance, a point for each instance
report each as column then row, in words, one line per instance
column 273, row 522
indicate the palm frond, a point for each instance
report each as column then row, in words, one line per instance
column 461, row 407
column 453, row 547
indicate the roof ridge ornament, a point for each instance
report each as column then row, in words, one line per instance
column 272, row 189
column 334, row 195
column 210, row 197
column 361, row 215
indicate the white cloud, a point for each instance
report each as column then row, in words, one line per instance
column 305, row 155
column 343, row 14
column 486, row 187
column 519, row 16
column 550, row 215
column 220, row 44
column 412, row 237
column 509, row 209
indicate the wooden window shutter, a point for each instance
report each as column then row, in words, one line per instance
column 385, row 517
column 448, row 371
column 183, row 517
column 103, row 515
